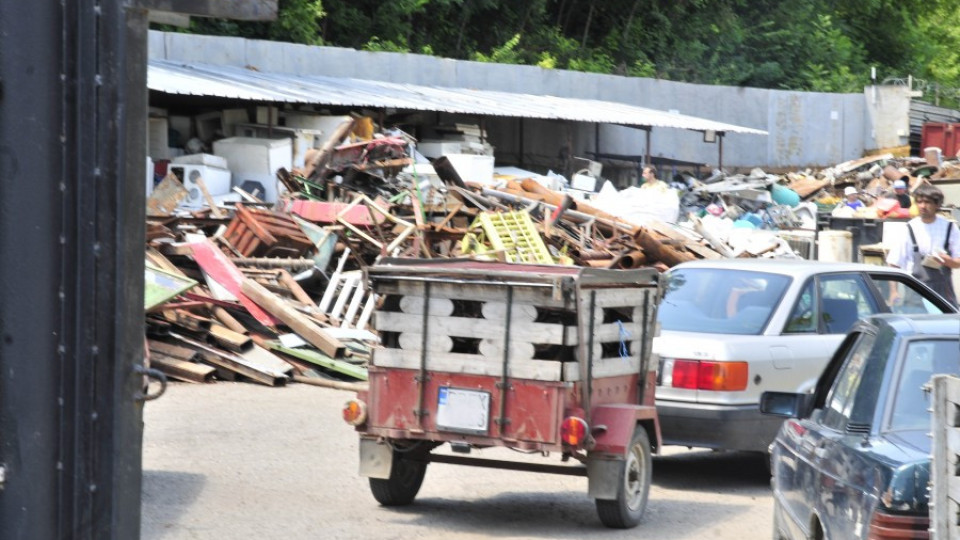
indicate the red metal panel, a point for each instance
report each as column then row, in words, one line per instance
column 943, row 135
column 620, row 421
column 224, row 272
column 621, row 389
column 327, row 212
column 534, row 408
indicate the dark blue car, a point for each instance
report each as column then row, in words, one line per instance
column 854, row 459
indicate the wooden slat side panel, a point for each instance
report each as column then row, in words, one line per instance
column 472, row 364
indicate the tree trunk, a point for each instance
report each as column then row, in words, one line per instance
column 586, row 27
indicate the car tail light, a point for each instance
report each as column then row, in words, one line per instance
column 573, row 431
column 885, row 526
column 704, row 375
column 355, row 412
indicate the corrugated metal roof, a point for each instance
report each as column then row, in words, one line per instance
column 251, row 84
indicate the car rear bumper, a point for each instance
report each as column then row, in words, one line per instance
column 728, row 427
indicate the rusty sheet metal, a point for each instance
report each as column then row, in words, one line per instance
column 259, row 85
column 263, row 233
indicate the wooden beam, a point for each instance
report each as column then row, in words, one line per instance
column 309, row 331
column 237, row 10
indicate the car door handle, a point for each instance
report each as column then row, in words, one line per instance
column 820, row 451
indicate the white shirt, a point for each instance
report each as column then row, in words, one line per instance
column 930, row 238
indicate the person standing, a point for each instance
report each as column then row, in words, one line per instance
column 852, row 201
column 650, row 180
column 931, row 248
column 900, row 192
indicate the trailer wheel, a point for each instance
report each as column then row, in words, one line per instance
column 627, row 509
column 401, row 488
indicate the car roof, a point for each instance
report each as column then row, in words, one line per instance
column 918, row 324
column 793, row 267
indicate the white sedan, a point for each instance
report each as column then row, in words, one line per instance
column 732, row 329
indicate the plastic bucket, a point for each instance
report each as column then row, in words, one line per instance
column 835, row 246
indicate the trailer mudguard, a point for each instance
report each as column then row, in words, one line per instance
column 612, row 428
column 376, row 458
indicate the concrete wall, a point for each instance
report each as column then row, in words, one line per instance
column 807, row 129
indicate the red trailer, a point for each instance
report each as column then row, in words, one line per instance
column 549, row 359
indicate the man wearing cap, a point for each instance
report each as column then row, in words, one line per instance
column 852, row 201
column 900, row 189
column 931, row 247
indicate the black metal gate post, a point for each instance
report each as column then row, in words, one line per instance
column 72, row 168
column 73, row 106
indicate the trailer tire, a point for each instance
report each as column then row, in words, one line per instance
column 406, row 476
column 627, row 509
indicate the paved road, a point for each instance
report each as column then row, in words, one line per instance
column 244, row 461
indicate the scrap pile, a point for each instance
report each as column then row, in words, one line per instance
column 274, row 292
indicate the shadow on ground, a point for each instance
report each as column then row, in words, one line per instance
column 705, row 470
column 165, row 495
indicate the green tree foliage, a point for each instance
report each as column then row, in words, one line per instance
column 820, row 45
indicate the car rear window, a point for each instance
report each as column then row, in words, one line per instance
column 924, row 358
column 719, row 301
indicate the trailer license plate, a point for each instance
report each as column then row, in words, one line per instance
column 464, row 411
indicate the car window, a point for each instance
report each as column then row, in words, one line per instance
column 805, row 312
column 839, row 399
column 844, row 298
column 902, row 296
column 923, row 358
column 721, row 301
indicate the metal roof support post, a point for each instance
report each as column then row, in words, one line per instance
column 720, row 150
column 520, row 142
column 596, row 139
column 646, row 158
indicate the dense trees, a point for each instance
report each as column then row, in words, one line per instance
column 827, row 45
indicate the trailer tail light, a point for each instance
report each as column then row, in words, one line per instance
column 355, row 412
column 890, row 527
column 573, row 431
column 704, row 375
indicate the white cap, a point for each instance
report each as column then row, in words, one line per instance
column 849, row 190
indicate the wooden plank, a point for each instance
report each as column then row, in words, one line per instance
column 237, row 10
column 539, row 296
column 181, row 369
column 412, row 341
column 294, row 319
column 608, row 332
column 172, row 350
column 471, row 364
column 604, row 367
column 266, row 361
column 230, row 340
column 546, row 333
column 519, row 312
column 322, row 360
column 234, row 363
column 414, row 305
column 519, row 350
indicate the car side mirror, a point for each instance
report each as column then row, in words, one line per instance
column 786, row 404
